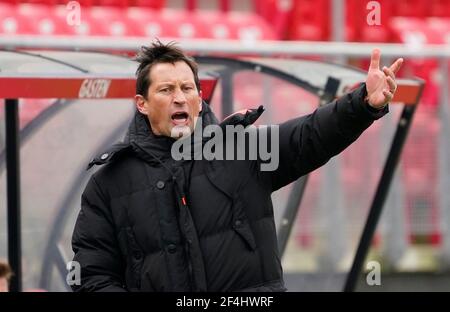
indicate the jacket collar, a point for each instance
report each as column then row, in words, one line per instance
column 146, row 145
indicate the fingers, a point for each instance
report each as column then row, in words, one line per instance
column 388, row 96
column 388, row 72
column 392, row 85
column 390, row 78
column 375, row 59
column 396, row 66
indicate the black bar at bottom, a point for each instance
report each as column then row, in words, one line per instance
column 13, row 192
column 380, row 196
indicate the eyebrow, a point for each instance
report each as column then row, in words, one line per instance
column 164, row 85
column 168, row 83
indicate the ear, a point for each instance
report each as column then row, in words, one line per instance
column 200, row 100
column 141, row 104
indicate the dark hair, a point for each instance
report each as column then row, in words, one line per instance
column 5, row 271
column 158, row 52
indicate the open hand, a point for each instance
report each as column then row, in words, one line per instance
column 381, row 84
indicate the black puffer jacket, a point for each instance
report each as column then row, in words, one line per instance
column 149, row 223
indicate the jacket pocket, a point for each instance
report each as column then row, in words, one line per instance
column 245, row 233
column 241, row 225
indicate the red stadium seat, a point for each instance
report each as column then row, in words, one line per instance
column 112, row 3
column 375, row 33
column 352, row 20
column 10, row 23
column 361, row 26
column 264, row 8
column 438, row 30
column 181, row 24
column 277, row 13
column 83, row 3
column 110, row 21
column 148, row 21
column 439, row 8
column 411, row 8
column 215, row 25
column 9, row 2
column 417, row 33
column 249, row 27
column 44, row 2
column 310, row 20
column 88, row 26
column 42, row 20
column 232, row 25
column 60, row 14
column 153, row 4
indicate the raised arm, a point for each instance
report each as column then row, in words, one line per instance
column 308, row 142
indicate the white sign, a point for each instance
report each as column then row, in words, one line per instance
column 94, row 88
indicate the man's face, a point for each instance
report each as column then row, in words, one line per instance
column 3, row 285
column 173, row 101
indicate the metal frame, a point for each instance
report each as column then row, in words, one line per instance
column 298, row 189
column 13, row 191
column 380, row 195
column 121, row 88
column 52, row 251
column 227, row 47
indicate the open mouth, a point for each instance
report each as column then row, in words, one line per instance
column 180, row 118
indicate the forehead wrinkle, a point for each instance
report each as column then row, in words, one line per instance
column 160, row 73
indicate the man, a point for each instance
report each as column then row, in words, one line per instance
column 5, row 276
column 151, row 223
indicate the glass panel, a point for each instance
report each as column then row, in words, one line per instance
column 95, row 62
column 334, row 211
column 54, row 156
column 314, row 72
column 18, row 63
column 282, row 100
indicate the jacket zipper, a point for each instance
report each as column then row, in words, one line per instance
column 187, row 246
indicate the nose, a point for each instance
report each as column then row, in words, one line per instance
column 179, row 97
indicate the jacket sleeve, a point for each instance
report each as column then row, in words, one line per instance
column 94, row 244
column 308, row 142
